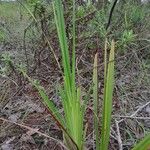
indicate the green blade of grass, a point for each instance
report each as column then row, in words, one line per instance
column 95, row 99
column 60, row 23
column 107, row 104
column 73, row 48
column 144, row 144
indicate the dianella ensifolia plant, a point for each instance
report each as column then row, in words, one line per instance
column 102, row 140
column 70, row 93
column 74, row 109
column 107, row 98
column 72, row 124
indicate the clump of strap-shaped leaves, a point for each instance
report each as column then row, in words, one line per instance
column 107, row 98
column 70, row 93
column 72, row 123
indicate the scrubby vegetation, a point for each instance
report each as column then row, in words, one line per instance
column 88, row 62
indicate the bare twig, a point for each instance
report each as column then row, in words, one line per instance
column 134, row 114
column 140, row 108
column 113, row 134
column 130, row 117
column 111, row 13
column 118, row 135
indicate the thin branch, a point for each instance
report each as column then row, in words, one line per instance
column 140, row 108
column 111, row 13
column 118, row 135
column 134, row 114
column 130, row 117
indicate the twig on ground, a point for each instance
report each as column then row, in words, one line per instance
column 113, row 135
column 138, row 110
column 130, row 117
column 118, row 135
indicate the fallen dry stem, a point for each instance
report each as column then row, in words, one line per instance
column 118, row 135
column 130, row 117
column 138, row 110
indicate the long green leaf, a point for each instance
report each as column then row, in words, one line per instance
column 60, row 23
column 73, row 48
column 95, row 98
column 144, row 144
column 107, row 104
